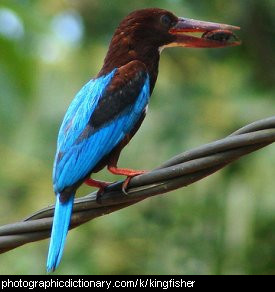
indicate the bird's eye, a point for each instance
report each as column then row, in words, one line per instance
column 166, row 21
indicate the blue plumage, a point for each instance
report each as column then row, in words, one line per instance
column 62, row 216
column 81, row 145
column 67, row 171
column 78, row 158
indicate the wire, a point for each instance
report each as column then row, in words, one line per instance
column 179, row 171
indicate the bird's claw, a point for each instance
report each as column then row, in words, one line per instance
column 101, row 191
column 128, row 179
column 125, row 185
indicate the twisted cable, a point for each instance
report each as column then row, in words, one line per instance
column 179, row 171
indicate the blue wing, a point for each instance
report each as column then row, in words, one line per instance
column 82, row 144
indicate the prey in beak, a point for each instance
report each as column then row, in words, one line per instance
column 214, row 35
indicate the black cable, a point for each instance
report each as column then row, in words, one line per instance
column 179, row 171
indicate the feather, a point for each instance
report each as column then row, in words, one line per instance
column 61, row 222
column 81, row 145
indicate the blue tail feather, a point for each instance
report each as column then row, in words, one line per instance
column 61, row 222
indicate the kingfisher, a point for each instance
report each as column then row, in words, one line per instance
column 109, row 109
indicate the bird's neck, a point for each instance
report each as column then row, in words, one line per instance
column 119, row 55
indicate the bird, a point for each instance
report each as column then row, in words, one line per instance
column 110, row 108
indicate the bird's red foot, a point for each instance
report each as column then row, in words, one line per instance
column 101, row 185
column 125, row 171
column 125, row 185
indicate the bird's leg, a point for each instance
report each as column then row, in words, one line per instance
column 124, row 171
column 112, row 167
column 101, row 185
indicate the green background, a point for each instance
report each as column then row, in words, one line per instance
column 224, row 224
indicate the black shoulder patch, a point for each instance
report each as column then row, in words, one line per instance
column 123, row 91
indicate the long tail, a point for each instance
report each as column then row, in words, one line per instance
column 61, row 222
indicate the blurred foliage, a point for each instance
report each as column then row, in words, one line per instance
column 221, row 225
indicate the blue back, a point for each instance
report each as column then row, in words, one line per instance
column 76, row 158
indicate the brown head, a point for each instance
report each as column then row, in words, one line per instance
column 144, row 33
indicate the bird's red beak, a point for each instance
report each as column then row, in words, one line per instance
column 215, row 35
